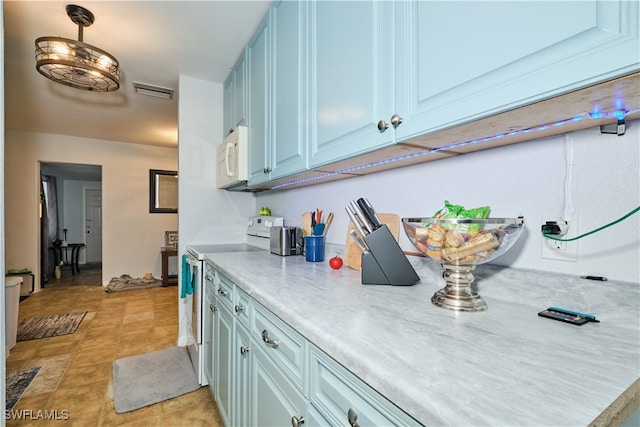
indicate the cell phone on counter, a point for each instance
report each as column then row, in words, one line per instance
column 567, row 316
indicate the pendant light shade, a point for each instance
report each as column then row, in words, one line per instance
column 75, row 63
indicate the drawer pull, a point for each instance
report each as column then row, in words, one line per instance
column 239, row 308
column 223, row 292
column 352, row 417
column 208, row 278
column 269, row 341
column 212, row 307
column 244, row 350
column 295, row 421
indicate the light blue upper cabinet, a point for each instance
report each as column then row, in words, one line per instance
column 258, row 53
column 330, row 81
column 240, row 82
column 350, row 79
column 235, row 93
column 276, row 96
column 460, row 61
column 289, row 140
column 228, row 119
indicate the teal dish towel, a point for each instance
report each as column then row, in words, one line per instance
column 187, row 278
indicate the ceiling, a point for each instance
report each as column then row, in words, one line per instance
column 154, row 41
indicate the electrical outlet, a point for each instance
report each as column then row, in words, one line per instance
column 561, row 251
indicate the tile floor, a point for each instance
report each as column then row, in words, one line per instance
column 76, row 369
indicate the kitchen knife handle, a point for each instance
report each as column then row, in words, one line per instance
column 354, row 220
column 361, row 219
column 373, row 211
column 369, row 213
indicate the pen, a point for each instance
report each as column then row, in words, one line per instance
column 600, row 278
column 590, row 317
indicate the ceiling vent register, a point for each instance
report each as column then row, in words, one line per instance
column 155, row 91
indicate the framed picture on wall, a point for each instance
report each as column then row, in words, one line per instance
column 163, row 191
column 171, row 239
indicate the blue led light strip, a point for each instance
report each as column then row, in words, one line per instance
column 619, row 115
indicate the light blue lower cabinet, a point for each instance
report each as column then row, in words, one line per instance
column 286, row 347
column 633, row 420
column 343, row 399
column 315, row 418
column 208, row 332
column 223, row 358
column 265, row 373
column 274, row 399
column 242, row 354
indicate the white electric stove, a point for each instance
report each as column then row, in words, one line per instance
column 258, row 232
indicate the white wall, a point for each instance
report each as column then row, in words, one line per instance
column 523, row 179
column 207, row 215
column 132, row 237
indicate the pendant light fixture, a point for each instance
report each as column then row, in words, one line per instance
column 75, row 63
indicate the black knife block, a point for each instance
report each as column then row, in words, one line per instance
column 385, row 263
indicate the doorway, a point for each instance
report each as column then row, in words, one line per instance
column 72, row 215
column 93, row 224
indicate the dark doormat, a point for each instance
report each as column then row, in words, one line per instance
column 17, row 382
column 49, row 326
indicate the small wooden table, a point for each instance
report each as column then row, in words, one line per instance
column 167, row 280
column 66, row 261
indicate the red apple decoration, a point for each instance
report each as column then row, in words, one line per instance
column 335, row 262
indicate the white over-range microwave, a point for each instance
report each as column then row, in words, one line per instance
column 233, row 160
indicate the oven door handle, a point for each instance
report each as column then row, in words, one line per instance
column 192, row 262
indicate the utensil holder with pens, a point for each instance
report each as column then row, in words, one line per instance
column 385, row 263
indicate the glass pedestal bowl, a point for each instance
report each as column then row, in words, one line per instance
column 461, row 244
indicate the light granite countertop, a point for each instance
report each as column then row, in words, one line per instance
column 505, row 366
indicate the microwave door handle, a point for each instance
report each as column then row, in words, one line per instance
column 226, row 161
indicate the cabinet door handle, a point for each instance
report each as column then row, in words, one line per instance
column 382, row 126
column 212, row 307
column 295, row 421
column 269, row 341
column 208, row 278
column 244, row 350
column 239, row 308
column 352, row 417
column 267, row 169
column 223, row 292
column 396, row 120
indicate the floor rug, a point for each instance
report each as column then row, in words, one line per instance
column 149, row 378
column 126, row 282
column 17, row 382
column 49, row 326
